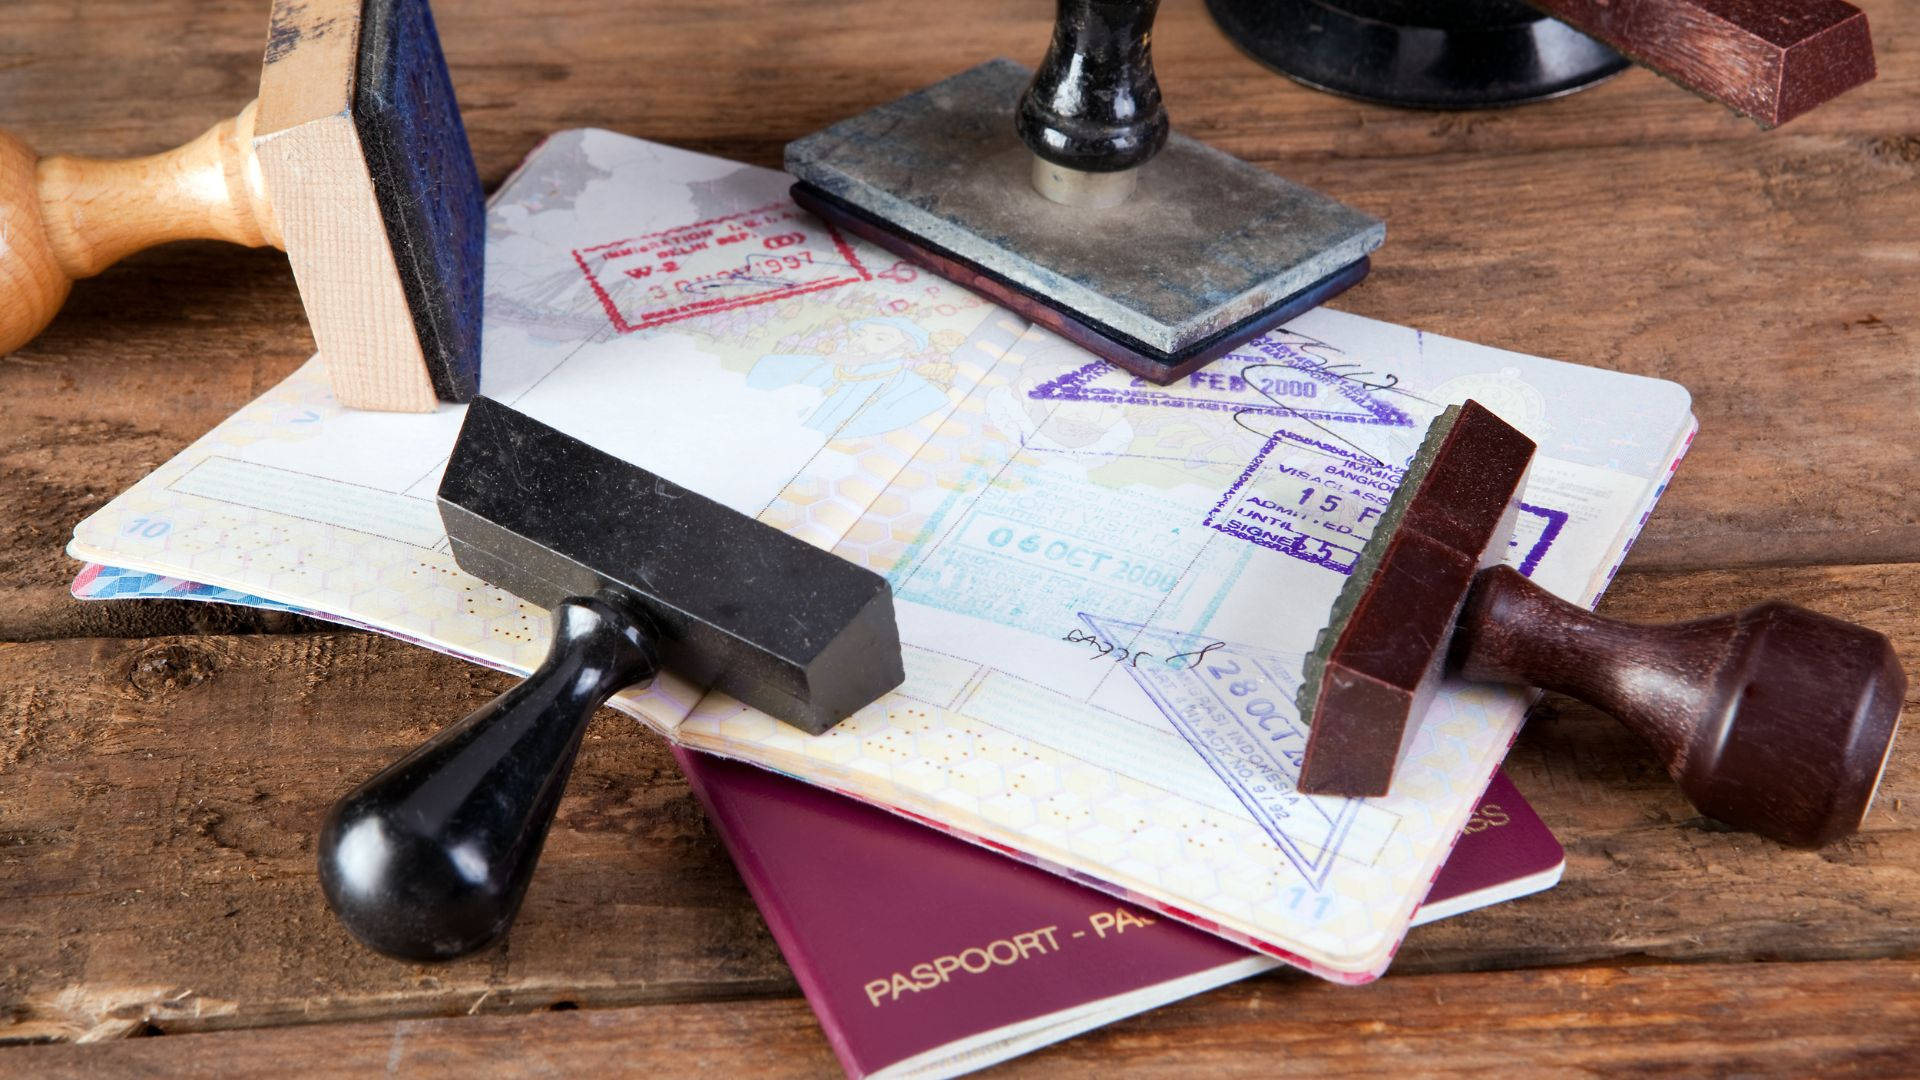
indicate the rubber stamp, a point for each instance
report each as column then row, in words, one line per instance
column 1774, row 719
column 429, row 859
column 353, row 160
column 1064, row 196
column 1770, row 60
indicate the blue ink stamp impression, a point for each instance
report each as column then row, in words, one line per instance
column 1234, row 704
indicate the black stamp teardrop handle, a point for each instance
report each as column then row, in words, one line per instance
column 429, row 859
column 1774, row 719
column 1093, row 113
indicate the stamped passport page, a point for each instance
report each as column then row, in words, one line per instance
column 672, row 308
column 1105, row 587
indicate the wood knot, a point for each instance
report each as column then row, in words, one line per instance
column 174, row 666
column 1895, row 149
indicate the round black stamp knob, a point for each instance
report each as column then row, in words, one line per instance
column 1094, row 105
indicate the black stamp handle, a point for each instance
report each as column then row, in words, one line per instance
column 429, row 859
column 1094, row 105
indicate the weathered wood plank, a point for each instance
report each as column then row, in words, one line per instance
column 1840, row 1019
column 157, row 859
column 158, row 800
column 1756, row 1019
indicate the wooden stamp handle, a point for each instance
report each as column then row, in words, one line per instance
column 1774, row 719
column 76, row 216
column 1768, row 59
column 1094, row 105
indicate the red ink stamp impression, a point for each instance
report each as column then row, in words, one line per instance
column 728, row 262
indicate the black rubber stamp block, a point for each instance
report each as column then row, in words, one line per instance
column 736, row 604
column 430, row 858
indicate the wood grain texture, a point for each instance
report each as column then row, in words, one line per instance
column 97, row 211
column 1759, row 276
column 708, row 76
column 1845, row 1019
column 30, row 273
column 118, row 747
column 1768, row 59
column 115, row 387
column 159, row 799
column 313, row 183
column 158, row 793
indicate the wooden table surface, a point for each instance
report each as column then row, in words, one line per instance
column 164, row 765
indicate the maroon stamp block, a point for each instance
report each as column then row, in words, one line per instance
column 769, row 253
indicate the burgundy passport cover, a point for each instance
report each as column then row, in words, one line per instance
column 905, row 939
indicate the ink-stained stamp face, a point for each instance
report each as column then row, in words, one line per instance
column 770, row 253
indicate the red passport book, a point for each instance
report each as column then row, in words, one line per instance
column 925, row 956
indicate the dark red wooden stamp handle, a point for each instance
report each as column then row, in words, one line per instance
column 1768, row 59
column 1774, row 719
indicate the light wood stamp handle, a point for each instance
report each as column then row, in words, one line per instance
column 72, row 217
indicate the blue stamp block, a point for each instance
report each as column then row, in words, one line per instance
column 426, row 184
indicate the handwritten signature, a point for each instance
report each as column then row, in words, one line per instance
column 1343, row 371
column 1104, row 649
column 737, row 279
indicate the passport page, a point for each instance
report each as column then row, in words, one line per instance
column 668, row 307
column 1106, row 589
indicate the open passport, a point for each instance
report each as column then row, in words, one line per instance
column 1104, row 587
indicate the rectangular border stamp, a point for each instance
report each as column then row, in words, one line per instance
column 768, row 253
column 1331, row 522
column 1234, row 705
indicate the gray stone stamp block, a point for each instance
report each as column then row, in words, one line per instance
column 1206, row 241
